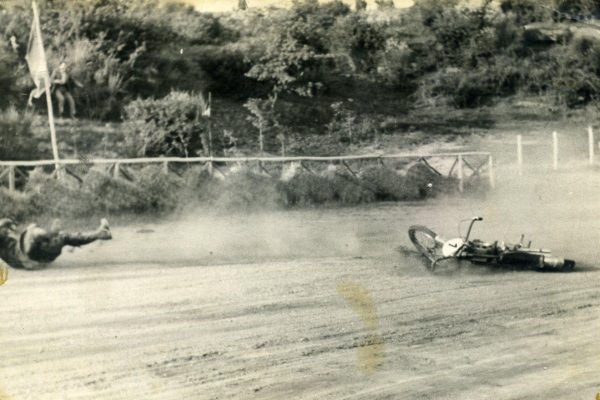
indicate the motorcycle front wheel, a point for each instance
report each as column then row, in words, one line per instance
column 426, row 242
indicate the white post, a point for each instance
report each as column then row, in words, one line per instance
column 591, row 143
column 11, row 178
column 460, row 173
column 554, row 150
column 38, row 32
column 520, row 154
column 261, row 141
column 491, row 171
column 210, row 140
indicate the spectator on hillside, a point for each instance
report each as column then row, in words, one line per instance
column 64, row 85
column 13, row 44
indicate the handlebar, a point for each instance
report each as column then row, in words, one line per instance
column 473, row 220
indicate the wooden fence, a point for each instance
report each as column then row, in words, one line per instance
column 464, row 165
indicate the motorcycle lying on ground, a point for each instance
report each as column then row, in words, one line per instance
column 435, row 249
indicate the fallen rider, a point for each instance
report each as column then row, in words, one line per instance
column 35, row 248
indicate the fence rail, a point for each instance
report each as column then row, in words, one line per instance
column 10, row 168
column 156, row 160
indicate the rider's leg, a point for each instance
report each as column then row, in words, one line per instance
column 45, row 246
column 82, row 238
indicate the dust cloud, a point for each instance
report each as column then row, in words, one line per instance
column 202, row 237
column 557, row 210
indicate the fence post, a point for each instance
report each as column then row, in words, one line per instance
column 261, row 141
column 591, row 144
column 11, row 178
column 554, row 150
column 520, row 153
column 460, row 173
column 116, row 171
column 166, row 167
column 210, row 167
column 491, row 171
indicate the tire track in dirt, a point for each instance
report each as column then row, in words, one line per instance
column 277, row 329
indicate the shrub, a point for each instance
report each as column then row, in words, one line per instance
column 114, row 195
column 162, row 189
column 58, row 197
column 305, row 188
column 388, row 184
column 16, row 205
column 8, row 76
column 18, row 141
column 428, row 182
column 170, row 126
column 347, row 188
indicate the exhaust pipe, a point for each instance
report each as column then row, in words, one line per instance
column 558, row 263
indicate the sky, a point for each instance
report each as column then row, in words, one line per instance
column 228, row 5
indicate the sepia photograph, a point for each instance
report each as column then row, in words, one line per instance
column 299, row 199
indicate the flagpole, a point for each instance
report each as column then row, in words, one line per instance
column 38, row 32
column 210, row 145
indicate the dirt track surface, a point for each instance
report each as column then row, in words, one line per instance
column 312, row 304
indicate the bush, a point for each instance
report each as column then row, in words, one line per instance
column 16, row 205
column 428, row 182
column 98, row 194
column 347, row 188
column 162, row 190
column 576, row 79
column 305, row 188
column 58, row 197
column 18, row 141
column 9, row 69
column 114, row 195
column 170, row 126
column 388, row 185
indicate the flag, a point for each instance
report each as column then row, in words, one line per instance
column 36, row 59
column 206, row 107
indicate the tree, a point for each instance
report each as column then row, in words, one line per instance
column 297, row 52
column 286, row 68
column 360, row 5
column 384, row 4
column 171, row 126
column 262, row 118
column 526, row 11
column 360, row 39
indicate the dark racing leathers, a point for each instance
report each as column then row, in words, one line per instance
column 35, row 248
column 9, row 252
